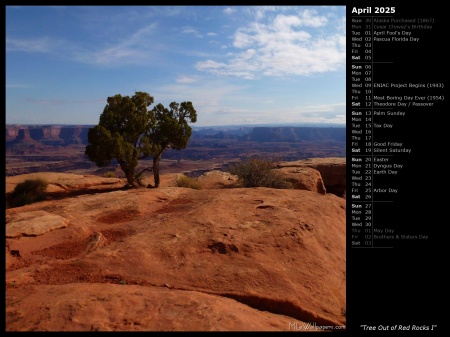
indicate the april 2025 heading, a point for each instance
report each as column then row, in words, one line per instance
column 377, row 10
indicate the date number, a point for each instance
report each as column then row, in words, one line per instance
column 383, row 10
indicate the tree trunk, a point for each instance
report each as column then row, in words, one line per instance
column 156, row 161
column 129, row 174
column 130, row 177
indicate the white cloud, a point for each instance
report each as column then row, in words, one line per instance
column 308, row 18
column 209, row 64
column 229, row 10
column 187, row 79
column 218, row 103
column 190, row 30
column 283, row 45
column 135, row 48
column 141, row 34
column 41, row 45
column 260, row 12
column 206, row 96
column 237, row 67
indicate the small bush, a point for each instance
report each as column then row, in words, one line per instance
column 110, row 174
column 27, row 192
column 257, row 172
column 183, row 181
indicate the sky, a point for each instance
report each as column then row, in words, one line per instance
column 241, row 65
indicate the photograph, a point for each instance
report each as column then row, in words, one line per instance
column 184, row 168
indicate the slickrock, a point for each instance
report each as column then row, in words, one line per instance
column 175, row 259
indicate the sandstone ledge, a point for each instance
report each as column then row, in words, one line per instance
column 174, row 259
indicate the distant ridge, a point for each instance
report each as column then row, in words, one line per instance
column 296, row 134
column 47, row 135
column 77, row 134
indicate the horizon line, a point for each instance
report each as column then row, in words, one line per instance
column 200, row 126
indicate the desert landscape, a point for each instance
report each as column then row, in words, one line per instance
column 175, row 168
column 56, row 148
column 96, row 255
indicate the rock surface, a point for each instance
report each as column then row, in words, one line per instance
column 33, row 223
column 332, row 171
column 178, row 259
column 304, row 178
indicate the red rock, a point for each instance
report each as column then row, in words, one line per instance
column 173, row 259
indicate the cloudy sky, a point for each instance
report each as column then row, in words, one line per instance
column 237, row 65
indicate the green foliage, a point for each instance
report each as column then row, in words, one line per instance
column 258, row 172
column 129, row 132
column 121, row 133
column 171, row 130
column 27, row 192
column 183, row 181
column 109, row 174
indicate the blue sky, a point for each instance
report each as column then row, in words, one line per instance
column 237, row 65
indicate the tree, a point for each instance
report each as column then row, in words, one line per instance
column 128, row 132
column 122, row 133
column 171, row 131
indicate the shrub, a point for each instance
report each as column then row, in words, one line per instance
column 258, row 172
column 183, row 181
column 27, row 192
column 110, row 174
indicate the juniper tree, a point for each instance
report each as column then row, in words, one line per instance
column 121, row 133
column 128, row 132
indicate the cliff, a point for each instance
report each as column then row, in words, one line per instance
column 77, row 134
column 52, row 135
